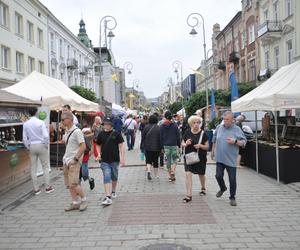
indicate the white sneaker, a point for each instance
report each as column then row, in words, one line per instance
column 113, row 195
column 107, row 201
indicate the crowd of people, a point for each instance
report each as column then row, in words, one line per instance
column 164, row 138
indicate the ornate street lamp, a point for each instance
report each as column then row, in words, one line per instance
column 193, row 21
column 110, row 24
column 128, row 66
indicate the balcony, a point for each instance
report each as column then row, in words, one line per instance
column 72, row 63
column 269, row 31
column 234, row 57
column 222, row 65
column 83, row 70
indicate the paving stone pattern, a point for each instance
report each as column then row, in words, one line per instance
column 149, row 213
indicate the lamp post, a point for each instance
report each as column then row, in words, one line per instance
column 106, row 20
column 193, row 21
column 128, row 66
column 178, row 65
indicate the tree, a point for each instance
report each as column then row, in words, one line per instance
column 175, row 107
column 85, row 93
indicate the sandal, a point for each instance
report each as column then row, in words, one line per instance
column 202, row 192
column 187, row 199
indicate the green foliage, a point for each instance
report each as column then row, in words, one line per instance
column 85, row 93
column 175, row 107
column 222, row 98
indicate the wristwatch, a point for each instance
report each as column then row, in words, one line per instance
column 75, row 159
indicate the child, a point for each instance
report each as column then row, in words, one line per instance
column 84, row 169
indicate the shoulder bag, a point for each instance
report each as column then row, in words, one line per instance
column 193, row 157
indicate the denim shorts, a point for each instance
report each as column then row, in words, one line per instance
column 84, row 171
column 110, row 171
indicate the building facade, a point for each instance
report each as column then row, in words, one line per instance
column 278, row 34
column 70, row 60
column 236, row 47
column 200, row 75
column 23, row 40
column 188, row 86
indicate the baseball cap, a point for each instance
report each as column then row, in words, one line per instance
column 107, row 120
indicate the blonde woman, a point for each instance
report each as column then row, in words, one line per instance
column 190, row 142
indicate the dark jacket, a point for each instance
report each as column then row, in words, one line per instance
column 169, row 134
column 151, row 138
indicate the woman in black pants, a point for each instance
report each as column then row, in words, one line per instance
column 150, row 144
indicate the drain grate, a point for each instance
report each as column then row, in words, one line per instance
column 162, row 246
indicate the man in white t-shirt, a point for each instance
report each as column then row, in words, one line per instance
column 130, row 129
column 75, row 147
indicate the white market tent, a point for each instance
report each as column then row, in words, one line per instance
column 280, row 92
column 53, row 93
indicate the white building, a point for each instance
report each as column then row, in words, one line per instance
column 278, row 33
column 23, row 40
column 70, row 60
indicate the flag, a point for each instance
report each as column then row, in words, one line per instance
column 213, row 111
column 114, row 77
column 234, row 89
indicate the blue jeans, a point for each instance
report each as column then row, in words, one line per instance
column 130, row 138
column 110, row 171
column 84, row 171
column 231, row 175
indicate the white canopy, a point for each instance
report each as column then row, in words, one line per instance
column 118, row 110
column 52, row 92
column 280, row 92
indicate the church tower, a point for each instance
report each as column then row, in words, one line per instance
column 82, row 35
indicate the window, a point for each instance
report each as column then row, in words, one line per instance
column 5, row 57
column 251, row 34
column 242, row 40
column 40, row 38
column 19, row 62
column 276, row 57
column 52, row 42
column 288, row 7
column 68, row 51
column 289, row 46
column 31, row 64
column 41, row 67
column 275, row 11
column 267, row 59
column 19, row 24
column 252, row 70
column 266, row 13
column 60, row 48
column 30, row 33
column 3, row 14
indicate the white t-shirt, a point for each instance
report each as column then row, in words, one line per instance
column 130, row 124
column 73, row 144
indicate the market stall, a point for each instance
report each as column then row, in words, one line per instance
column 279, row 155
column 14, row 157
column 52, row 93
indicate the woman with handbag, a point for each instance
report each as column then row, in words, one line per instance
column 195, row 144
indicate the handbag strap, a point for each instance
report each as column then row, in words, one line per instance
column 149, row 131
column 70, row 135
column 199, row 142
column 107, row 140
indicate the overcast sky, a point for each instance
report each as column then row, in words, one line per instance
column 151, row 34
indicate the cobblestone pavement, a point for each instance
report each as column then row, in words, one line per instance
column 147, row 213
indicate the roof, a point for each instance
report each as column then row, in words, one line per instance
column 8, row 99
column 232, row 21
